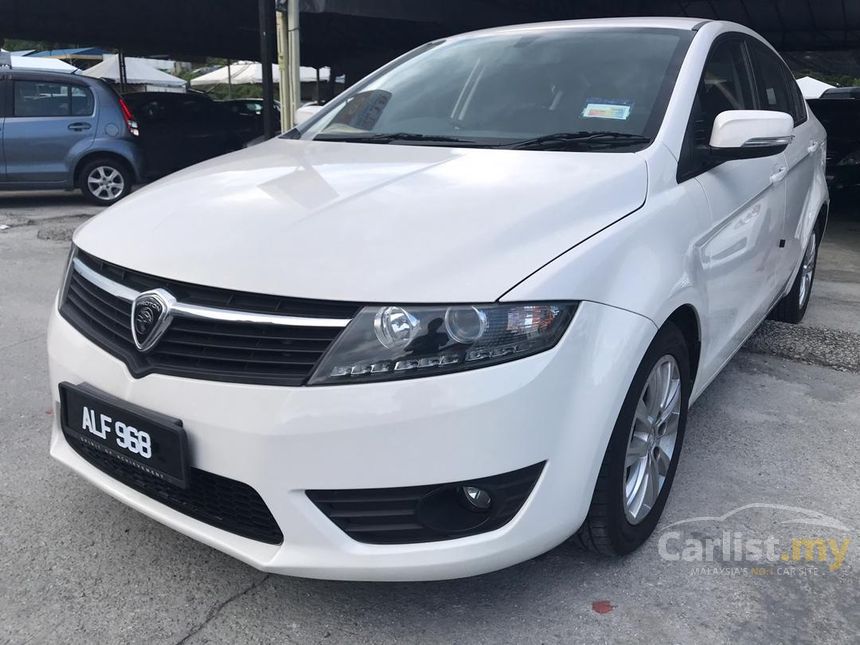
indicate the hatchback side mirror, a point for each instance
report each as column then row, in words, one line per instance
column 750, row 134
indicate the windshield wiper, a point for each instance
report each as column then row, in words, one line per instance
column 388, row 137
column 565, row 140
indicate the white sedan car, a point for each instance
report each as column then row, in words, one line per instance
column 455, row 318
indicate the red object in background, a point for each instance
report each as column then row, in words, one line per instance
column 602, row 606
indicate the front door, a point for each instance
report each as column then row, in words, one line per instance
column 740, row 254
column 50, row 125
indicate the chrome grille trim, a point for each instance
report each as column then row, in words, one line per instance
column 206, row 313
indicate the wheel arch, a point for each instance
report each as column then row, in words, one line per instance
column 686, row 318
column 103, row 154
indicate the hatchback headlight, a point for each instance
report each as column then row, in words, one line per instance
column 395, row 342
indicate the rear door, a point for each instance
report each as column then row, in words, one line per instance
column 50, row 125
column 778, row 91
column 747, row 201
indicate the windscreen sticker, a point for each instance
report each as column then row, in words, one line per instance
column 607, row 109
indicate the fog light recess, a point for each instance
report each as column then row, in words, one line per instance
column 477, row 499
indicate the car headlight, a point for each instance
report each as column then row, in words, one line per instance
column 394, row 342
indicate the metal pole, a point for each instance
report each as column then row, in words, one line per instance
column 266, row 10
column 123, row 73
column 294, row 58
column 283, row 74
column 229, row 81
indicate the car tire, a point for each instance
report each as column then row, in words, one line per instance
column 623, row 515
column 792, row 307
column 104, row 181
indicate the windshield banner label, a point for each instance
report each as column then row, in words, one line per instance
column 607, row 109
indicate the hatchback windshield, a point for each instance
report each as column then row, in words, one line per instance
column 556, row 88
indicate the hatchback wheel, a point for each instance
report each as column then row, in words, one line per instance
column 105, row 181
column 792, row 307
column 640, row 461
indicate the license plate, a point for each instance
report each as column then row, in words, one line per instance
column 153, row 443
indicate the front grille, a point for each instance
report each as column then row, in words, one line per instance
column 224, row 503
column 240, row 352
column 404, row 516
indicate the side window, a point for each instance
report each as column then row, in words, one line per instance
column 726, row 84
column 38, row 98
column 82, row 101
column 43, row 98
column 772, row 81
column 800, row 102
column 797, row 100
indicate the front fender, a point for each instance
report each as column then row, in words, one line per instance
column 648, row 263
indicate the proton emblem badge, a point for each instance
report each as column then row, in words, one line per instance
column 151, row 313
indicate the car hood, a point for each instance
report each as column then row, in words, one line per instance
column 368, row 222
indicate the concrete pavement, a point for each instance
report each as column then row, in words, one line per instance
column 79, row 567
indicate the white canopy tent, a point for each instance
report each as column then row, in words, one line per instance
column 812, row 88
column 137, row 72
column 248, row 72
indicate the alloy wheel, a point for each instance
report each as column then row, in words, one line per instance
column 652, row 439
column 106, row 183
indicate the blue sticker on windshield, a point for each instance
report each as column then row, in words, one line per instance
column 596, row 108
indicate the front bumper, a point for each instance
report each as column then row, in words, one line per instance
column 558, row 407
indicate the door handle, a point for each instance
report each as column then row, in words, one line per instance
column 778, row 174
column 813, row 146
column 77, row 127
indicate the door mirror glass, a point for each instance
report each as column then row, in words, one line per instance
column 748, row 134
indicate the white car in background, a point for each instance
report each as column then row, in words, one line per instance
column 456, row 317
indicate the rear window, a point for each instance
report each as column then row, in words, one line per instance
column 45, row 98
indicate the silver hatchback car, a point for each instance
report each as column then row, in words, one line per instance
column 66, row 131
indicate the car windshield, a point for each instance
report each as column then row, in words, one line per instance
column 547, row 88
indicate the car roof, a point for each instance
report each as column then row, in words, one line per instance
column 41, row 75
column 686, row 24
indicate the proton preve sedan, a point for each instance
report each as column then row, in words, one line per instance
column 457, row 317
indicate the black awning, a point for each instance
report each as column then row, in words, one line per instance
column 362, row 33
